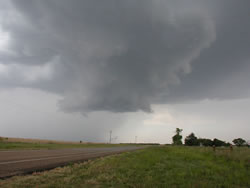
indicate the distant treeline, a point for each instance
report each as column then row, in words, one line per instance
column 192, row 140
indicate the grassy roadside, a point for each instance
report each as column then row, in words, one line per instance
column 151, row 167
column 23, row 145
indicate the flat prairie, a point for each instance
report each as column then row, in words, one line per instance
column 44, row 141
column 165, row 166
column 26, row 143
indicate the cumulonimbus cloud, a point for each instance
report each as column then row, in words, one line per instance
column 118, row 56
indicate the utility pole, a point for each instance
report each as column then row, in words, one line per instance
column 135, row 139
column 110, row 136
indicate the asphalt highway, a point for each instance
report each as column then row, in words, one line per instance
column 16, row 162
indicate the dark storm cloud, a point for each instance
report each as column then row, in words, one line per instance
column 120, row 56
column 222, row 71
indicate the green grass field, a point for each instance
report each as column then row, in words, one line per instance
column 151, row 167
column 23, row 145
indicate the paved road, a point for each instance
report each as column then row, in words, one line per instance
column 27, row 161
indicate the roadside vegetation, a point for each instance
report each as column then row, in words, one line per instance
column 20, row 145
column 166, row 166
column 6, row 144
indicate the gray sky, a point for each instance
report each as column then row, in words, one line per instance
column 73, row 70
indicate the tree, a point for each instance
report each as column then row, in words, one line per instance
column 239, row 142
column 248, row 143
column 228, row 144
column 218, row 143
column 191, row 140
column 205, row 141
column 177, row 137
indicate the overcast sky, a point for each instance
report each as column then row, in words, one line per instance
column 74, row 70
